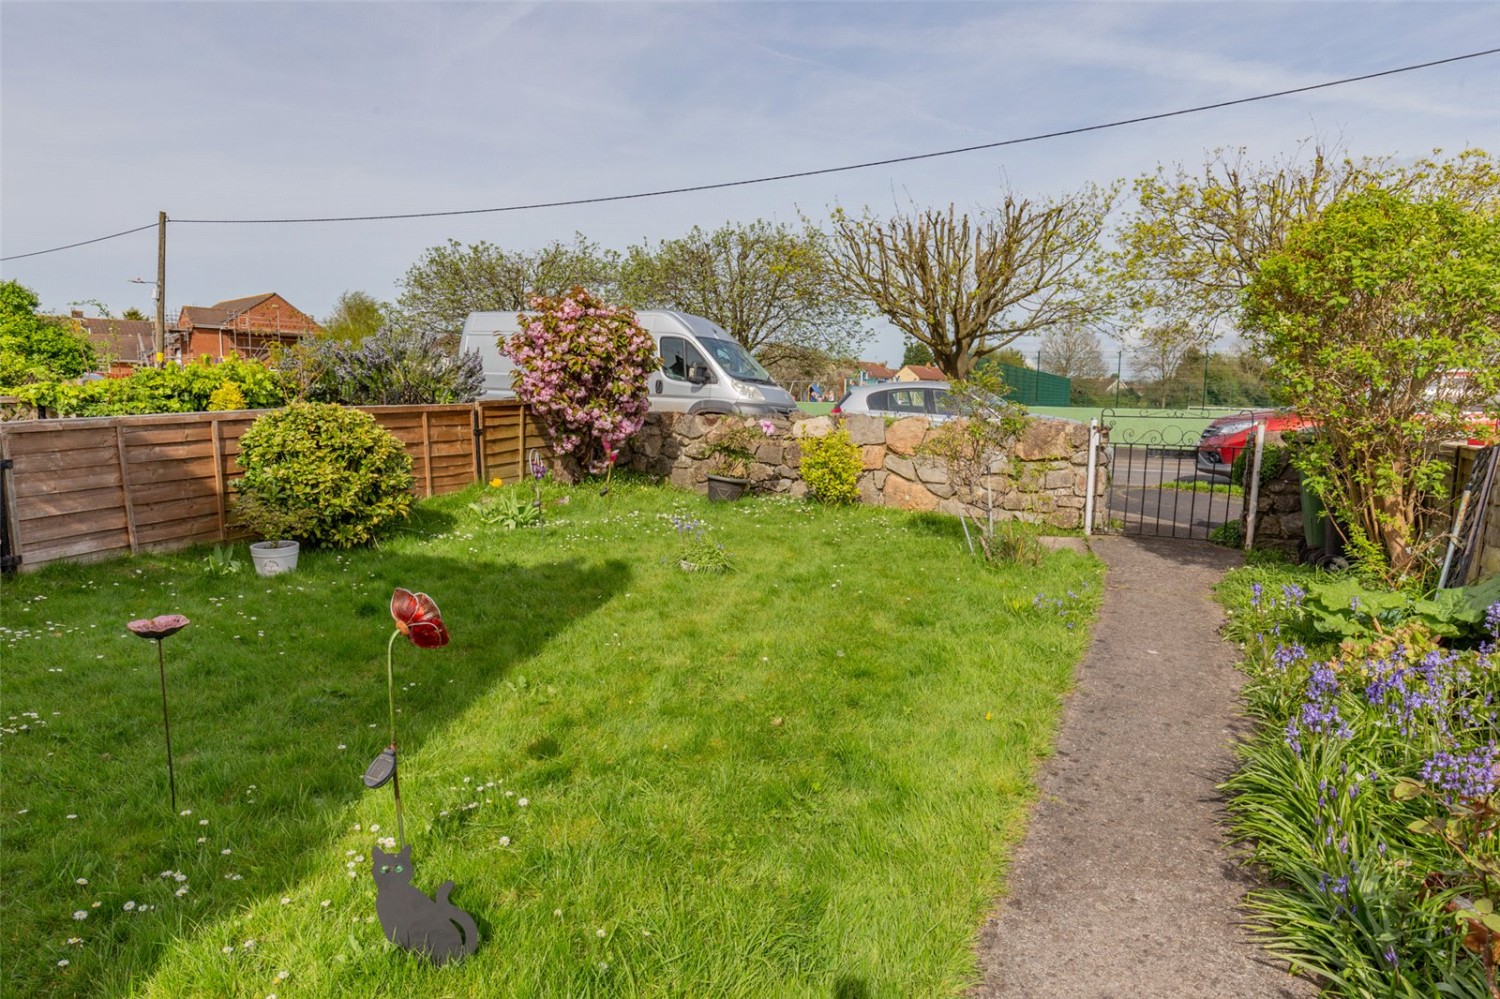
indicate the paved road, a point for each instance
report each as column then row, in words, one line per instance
column 1137, row 501
column 1124, row 886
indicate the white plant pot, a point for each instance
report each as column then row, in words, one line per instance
column 272, row 558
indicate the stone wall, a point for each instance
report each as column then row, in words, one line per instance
column 1278, row 511
column 1043, row 480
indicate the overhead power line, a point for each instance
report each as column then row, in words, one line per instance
column 1081, row 130
column 86, row 242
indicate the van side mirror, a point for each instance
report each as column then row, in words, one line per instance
column 698, row 374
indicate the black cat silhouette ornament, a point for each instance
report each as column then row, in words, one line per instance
column 433, row 927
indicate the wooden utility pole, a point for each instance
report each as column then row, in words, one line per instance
column 161, row 289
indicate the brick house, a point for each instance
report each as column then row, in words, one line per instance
column 246, row 327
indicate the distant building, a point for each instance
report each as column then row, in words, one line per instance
column 874, row 371
column 920, row 373
column 239, row 327
column 122, row 345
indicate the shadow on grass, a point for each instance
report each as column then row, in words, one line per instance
column 278, row 703
column 939, row 525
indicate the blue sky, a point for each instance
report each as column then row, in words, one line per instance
column 111, row 112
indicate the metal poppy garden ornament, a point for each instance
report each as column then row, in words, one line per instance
column 157, row 629
column 433, row 927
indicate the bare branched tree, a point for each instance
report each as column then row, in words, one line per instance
column 1073, row 352
column 1157, row 355
column 965, row 286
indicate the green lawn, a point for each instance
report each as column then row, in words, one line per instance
column 800, row 779
column 1130, row 425
column 1133, row 426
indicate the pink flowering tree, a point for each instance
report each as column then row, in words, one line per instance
column 581, row 366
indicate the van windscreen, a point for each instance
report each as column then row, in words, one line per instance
column 735, row 361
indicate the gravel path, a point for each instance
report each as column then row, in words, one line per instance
column 1124, row 885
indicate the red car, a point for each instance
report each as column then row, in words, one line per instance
column 1227, row 436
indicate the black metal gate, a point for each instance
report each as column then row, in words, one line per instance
column 1161, row 484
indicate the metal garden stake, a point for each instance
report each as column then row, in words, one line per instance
column 157, row 629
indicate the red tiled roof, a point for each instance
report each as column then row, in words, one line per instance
column 129, row 340
column 877, row 370
column 926, row 372
column 200, row 315
column 236, row 305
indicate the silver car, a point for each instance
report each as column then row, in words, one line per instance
column 931, row 399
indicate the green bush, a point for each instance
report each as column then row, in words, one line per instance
column 226, row 398
column 831, row 467
column 322, row 474
column 171, row 389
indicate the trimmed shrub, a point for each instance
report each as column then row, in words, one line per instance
column 332, row 476
column 831, row 467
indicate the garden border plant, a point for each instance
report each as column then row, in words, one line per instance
column 323, row 474
column 582, row 368
column 831, row 465
column 1368, row 784
column 975, row 447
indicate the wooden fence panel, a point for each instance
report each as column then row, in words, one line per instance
column 104, row 486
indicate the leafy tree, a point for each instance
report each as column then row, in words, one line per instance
column 1005, row 355
column 582, row 366
column 1196, row 239
column 450, row 281
column 1382, row 318
column 355, row 316
column 914, row 352
column 33, row 348
column 134, row 314
column 1072, row 352
column 1220, row 378
column 768, row 285
column 967, row 287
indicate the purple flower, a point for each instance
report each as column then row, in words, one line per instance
column 1286, row 656
column 1463, row 775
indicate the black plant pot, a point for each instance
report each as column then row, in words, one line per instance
column 723, row 489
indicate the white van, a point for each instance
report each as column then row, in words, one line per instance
column 703, row 368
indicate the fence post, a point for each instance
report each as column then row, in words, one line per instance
column 1092, row 479
column 1254, row 492
column 221, row 489
column 125, row 490
column 10, row 544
